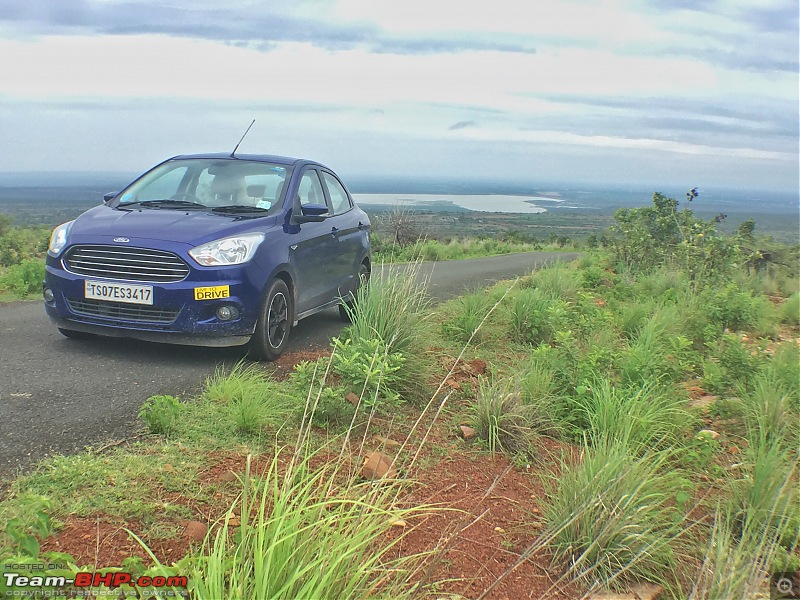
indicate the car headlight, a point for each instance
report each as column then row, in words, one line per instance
column 58, row 239
column 227, row 251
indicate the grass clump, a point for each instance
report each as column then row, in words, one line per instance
column 305, row 533
column 611, row 517
column 467, row 315
column 500, row 418
column 637, row 417
column 390, row 318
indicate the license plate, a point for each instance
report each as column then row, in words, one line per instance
column 119, row 292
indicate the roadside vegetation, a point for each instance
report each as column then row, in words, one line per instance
column 22, row 251
column 650, row 390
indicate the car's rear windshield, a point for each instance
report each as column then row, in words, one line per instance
column 232, row 184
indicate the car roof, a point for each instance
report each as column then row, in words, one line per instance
column 270, row 158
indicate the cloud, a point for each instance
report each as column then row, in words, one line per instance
column 236, row 23
column 461, row 125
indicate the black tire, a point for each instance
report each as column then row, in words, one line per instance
column 272, row 330
column 350, row 302
column 75, row 335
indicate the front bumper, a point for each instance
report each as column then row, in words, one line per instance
column 174, row 317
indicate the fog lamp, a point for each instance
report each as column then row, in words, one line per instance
column 227, row 312
column 48, row 294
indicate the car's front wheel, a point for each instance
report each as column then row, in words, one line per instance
column 272, row 330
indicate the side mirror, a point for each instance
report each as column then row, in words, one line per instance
column 312, row 213
column 109, row 196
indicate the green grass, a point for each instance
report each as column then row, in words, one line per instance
column 500, row 418
column 305, row 533
column 613, row 518
column 394, row 310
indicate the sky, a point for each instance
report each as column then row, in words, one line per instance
column 680, row 92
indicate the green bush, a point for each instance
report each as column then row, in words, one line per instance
column 790, row 310
column 25, row 278
column 366, row 367
column 161, row 414
column 535, row 317
column 392, row 309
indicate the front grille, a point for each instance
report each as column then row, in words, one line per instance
column 121, row 311
column 126, row 264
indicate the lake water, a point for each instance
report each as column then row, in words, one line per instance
column 476, row 202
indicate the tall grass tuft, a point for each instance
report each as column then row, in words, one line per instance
column 467, row 316
column 639, row 417
column 392, row 310
column 500, row 418
column 611, row 518
column 305, row 532
column 560, row 281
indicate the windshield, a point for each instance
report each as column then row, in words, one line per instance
column 221, row 185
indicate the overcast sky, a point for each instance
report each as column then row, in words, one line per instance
column 685, row 92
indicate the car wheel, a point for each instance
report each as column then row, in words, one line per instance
column 273, row 327
column 349, row 304
column 75, row 335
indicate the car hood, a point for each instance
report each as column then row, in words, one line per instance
column 193, row 227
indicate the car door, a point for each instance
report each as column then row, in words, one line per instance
column 349, row 233
column 312, row 249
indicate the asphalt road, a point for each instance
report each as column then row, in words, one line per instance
column 59, row 395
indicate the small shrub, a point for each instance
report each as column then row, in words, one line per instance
column 25, row 278
column 534, row 317
column 366, row 367
column 790, row 310
column 161, row 414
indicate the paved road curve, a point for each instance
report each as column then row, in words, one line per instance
column 59, row 395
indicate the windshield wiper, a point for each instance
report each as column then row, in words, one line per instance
column 165, row 203
column 238, row 208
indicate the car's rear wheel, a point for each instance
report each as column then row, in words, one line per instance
column 349, row 304
column 272, row 330
column 75, row 335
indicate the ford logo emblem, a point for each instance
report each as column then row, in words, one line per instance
column 121, row 240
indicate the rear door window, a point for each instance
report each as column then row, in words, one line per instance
column 339, row 199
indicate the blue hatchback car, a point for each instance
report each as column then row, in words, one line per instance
column 210, row 250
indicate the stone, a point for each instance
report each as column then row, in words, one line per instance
column 708, row 433
column 387, row 442
column 195, row 531
column 467, row 432
column 352, row 398
column 377, row 465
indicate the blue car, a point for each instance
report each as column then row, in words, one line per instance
column 210, row 250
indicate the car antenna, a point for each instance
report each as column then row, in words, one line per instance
column 241, row 140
